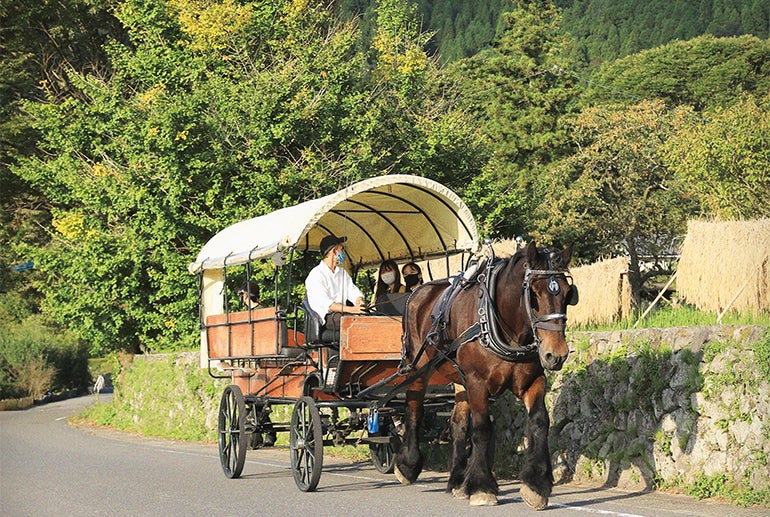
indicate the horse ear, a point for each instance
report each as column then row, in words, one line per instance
column 532, row 254
column 566, row 254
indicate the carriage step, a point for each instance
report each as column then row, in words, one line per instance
column 381, row 440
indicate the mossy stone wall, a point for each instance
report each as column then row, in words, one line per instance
column 655, row 407
column 636, row 409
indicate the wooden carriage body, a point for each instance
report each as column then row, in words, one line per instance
column 265, row 358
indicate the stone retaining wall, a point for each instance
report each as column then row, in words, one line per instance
column 630, row 408
column 637, row 408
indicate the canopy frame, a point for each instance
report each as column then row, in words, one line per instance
column 376, row 211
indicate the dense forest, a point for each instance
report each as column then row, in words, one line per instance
column 602, row 30
column 132, row 131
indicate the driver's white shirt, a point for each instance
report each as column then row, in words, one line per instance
column 325, row 287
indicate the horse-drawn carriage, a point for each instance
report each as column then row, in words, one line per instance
column 494, row 326
column 273, row 357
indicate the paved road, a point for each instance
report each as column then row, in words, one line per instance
column 48, row 467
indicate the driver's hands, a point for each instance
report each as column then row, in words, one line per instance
column 359, row 307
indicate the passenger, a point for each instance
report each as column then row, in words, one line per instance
column 330, row 290
column 412, row 276
column 388, row 281
column 249, row 294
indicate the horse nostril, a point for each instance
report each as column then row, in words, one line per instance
column 552, row 361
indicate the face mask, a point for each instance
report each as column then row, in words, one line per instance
column 340, row 257
column 388, row 277
column 412, row 279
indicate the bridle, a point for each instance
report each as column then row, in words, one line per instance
column 492, row 336
column 544, row 322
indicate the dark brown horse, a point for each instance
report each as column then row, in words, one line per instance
column 495, row 331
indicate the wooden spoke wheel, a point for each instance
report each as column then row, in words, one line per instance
column 306, row 444
column 233, row 439
column 382, row 457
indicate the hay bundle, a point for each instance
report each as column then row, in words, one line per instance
column 605, row 293
column 726, row 265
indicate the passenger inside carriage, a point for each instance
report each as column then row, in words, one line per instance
column 412, row 276
column 330, row 289
column 390, row 294
column 249, row 295
column 388, row 281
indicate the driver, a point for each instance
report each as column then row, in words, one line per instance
column 330, row 290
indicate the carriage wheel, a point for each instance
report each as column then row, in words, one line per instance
column 306, row 444
column 382, row 457
column 382, row 453
column 232, row 431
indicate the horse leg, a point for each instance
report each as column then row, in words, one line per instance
column 458, row 458
column 537, row 473
column 480, row 484
column 408, row 460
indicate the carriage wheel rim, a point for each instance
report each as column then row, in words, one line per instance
column 306, row 443
column 232, row 440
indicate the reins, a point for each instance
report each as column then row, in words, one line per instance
column 487, row 328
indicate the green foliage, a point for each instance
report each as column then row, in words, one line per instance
column 36, row 358
column 701, row 72
column 616, row 191
column 762, row 356
column 731, row 374
column 161, row 398
column 219, row 122
column 464, row 28
column 707, row 486
column 42, row 43
column 609, row 29
column 604, row 30
column 517, row 93
column 682, row 316
column 724, row 161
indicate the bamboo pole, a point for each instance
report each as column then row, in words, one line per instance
column 737, row 294
column 657, row 298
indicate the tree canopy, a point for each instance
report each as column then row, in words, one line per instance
column 184, row 118
column 518, row 97
column 702, row 72
column 202, row 124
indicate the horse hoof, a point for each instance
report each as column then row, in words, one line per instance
column 401, row 478
column 483, row 499
column 459, row 493
column 532, row 498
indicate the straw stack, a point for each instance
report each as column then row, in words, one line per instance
column 605, row 293
column 726, row 266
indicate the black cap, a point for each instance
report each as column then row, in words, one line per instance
column 329, row 242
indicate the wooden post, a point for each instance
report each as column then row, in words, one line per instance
column 737, row 294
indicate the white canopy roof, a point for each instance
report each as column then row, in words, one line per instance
column 396, row 216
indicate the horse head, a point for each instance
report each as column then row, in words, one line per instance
column 547, row 290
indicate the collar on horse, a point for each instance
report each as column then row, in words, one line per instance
column 492, row 336
column 487, row 328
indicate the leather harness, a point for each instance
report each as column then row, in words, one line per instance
column 487, row 327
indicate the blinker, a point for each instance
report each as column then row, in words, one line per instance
column 553, row 286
